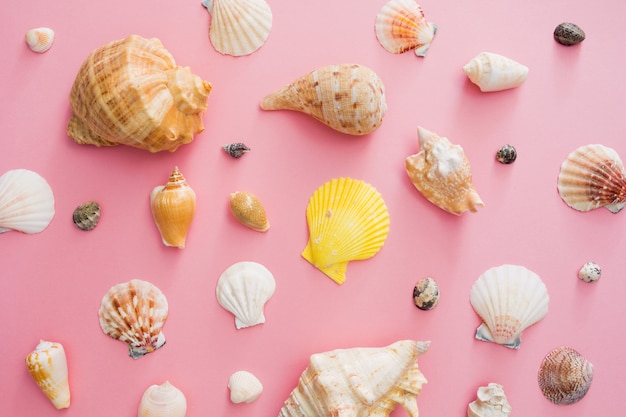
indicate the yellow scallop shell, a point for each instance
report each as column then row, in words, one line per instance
column 348, row 221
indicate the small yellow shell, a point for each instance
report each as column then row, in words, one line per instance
column 249, row 211
column 47, row 365
column 348, row 221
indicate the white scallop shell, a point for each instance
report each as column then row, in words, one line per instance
column 401, row 26
column 490, row 402
column 163, row 400
column 244, row 387
column 243, row 289
column 493, row 72
column 39, row 39
column 238, row 27
column 26, row 202
column 508, row 298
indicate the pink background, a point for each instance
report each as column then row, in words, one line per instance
column 52, row 283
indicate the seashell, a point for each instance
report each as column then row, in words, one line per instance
column 590, row 272
column 26, row 202
column 426, row 294
column 236, row 150
column 47, row 364
column 40, row 39
column 134, row 312
column 348, row 221
column 163, row 400
column 442, row 173
column 593, row 176
column 349, row 98
column 249, row 211
column 401, row 26
column 568, row 34
column 243, row 289
column 173, row 207
column 490, row 402
column 564, row 376
column 363, row 381
column 131, row 92
column 244, row 387
column 509, row 299
column 238, row 27
column 87, row 215
column 506, row 154
column 493, row 72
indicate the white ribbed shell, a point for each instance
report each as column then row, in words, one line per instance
column 244, row 387
column 26, row 202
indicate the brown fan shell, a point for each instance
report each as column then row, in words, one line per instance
column 565, row 376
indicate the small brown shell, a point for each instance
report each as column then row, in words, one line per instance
column 565, row 376
column 568, row 34
column 249, row 211
column 87, row 215
column 236, row 150
column 506, row 154
column 426, row 294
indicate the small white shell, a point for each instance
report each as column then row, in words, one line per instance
column 590, row 272
column 26, row 202
column 40, row 39
column 244, row 387
column 401, row 26
column 243, row 289
column 493, row 72
column 490, row 402
column 163, row 400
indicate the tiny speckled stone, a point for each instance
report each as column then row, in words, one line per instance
column 506, row 154
column 568, row 34
column 426, row 294
column 236, row 150
column 590, row 272
column 87, row 215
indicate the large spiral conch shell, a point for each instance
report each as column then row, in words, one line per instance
column 509, row 299
column 493, row 72
column 349, row 98
column 593, row 176
column 173, row 208
column 490, row 402
column 131, row 92
column 401, row 26
column 163, row 400
column 26, row 202
column 134, row 312
column 363, row 382
column 47, row 365
column 565, row 376
column 442, row 173
column 348, row 221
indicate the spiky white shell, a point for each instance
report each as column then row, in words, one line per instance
column 243, row 289
column 494, row 72
column 163, row 400
column 26, row 202
column 244, row 387
column 508, row 298
column 47, row 364
column 490, row 402
column 40, row 39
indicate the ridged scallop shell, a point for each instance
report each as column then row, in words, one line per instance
column 134, row 312
column 565, row 376
column 163, row 400
column 238, row 27
column 249, row 211
column 40, row 39
column 348, row 221
column 494, row 72
column 442, row 173
column 592, row 176
column 364, row 382
column 401, row 26
column 509, row 299
column 349, row 98
column 490, row 402
column 173, row 208
column 47, row 364
column 244, row 387
column 243, row 289
column 26, row 202
column 87, row 215
column 131, row 92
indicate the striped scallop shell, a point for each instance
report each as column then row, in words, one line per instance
column 134, row 312
column 244, row 387
column 238, row 27
column 509, row 299
column 565, row 376
column 26, row 202
column 349, row 98
column 40, row 39
column 47, row 364
column 348, row 221
column 401, row 26
column 593, row 176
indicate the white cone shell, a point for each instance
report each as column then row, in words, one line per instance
column 163, row 400
column 493, row 72
column 26, row 202
column 244, row 387
column 243, row 289
column 47, row 364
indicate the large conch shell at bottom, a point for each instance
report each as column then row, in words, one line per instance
column 442, row 173
column 47, row 365
column 359, row 382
